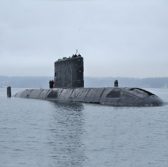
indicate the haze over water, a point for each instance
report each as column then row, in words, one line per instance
column 45, row 134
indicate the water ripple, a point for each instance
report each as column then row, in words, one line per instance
column 41, row 133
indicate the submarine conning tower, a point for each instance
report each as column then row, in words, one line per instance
column 69, row 72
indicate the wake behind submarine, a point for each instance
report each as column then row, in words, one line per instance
column 68, row 86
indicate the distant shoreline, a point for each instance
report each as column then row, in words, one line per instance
column 42, row 82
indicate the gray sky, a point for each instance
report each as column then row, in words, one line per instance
column 127, row 38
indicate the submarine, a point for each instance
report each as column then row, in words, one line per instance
column 68, row 86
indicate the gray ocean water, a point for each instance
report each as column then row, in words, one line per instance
column 35, row 133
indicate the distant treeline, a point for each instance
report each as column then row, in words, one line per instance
column 42, row 82
column 127, row 82
column 25, row 82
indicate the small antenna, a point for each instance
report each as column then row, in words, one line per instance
column 76, row 51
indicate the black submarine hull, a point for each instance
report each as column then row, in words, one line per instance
column 104, row 96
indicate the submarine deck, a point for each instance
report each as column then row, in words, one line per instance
column 105, row 96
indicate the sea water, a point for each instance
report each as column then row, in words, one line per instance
column 37, row 133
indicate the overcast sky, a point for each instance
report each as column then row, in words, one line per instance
column 127, row 38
